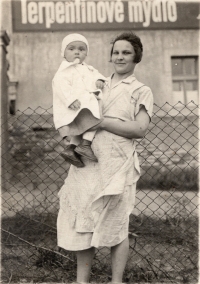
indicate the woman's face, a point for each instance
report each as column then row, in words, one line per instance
column 76, row 49
column 123, row 57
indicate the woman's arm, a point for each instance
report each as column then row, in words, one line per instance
column 128, row 129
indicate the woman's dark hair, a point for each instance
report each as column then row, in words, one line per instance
column 134, row 41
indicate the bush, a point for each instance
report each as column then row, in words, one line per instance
column 165, row 179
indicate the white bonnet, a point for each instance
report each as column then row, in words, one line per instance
column 70, row 38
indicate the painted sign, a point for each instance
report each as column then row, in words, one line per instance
column 103, row 15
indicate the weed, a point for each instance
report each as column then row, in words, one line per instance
column 159, row 251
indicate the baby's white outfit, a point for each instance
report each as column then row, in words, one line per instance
column 73, row 82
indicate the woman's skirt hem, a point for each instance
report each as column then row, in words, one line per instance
column 99, row 246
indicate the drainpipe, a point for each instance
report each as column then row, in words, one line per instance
column 4, row 42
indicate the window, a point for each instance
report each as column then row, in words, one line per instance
column 185, row 79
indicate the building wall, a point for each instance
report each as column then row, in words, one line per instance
column 35, row 57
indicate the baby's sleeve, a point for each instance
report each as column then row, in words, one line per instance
column 145, row 98
column 62, row 98
column 62, row 91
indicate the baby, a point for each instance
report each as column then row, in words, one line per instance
column 76, row 94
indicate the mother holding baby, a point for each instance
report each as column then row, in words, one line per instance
column 97, row 199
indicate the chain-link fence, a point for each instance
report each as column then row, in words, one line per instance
column 163, row 226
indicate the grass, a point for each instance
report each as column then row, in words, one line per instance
column 160, row 251
column 177, row 178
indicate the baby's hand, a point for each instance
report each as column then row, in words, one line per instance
column 75, row 105
column 100, row 84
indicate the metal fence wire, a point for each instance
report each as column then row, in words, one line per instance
column 163, row 226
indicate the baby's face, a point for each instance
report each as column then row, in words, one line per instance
column 75, row 50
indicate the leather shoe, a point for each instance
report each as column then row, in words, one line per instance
column 72, row 157
column 86, row 151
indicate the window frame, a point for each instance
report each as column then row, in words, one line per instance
column 185, row 77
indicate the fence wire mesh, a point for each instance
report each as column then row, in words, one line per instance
column 163, row 226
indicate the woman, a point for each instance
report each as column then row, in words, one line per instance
column 96, row 201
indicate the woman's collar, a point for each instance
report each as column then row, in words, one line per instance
column 127, row 80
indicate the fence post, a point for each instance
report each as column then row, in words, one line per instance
column 4, row 42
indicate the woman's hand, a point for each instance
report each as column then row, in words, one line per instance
column 75, row 105
column 100, row 84
column 98, row 126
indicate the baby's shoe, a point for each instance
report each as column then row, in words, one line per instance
column 72, row 157
column 84, row 149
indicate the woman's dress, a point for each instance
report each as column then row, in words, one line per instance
column 96, row 201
